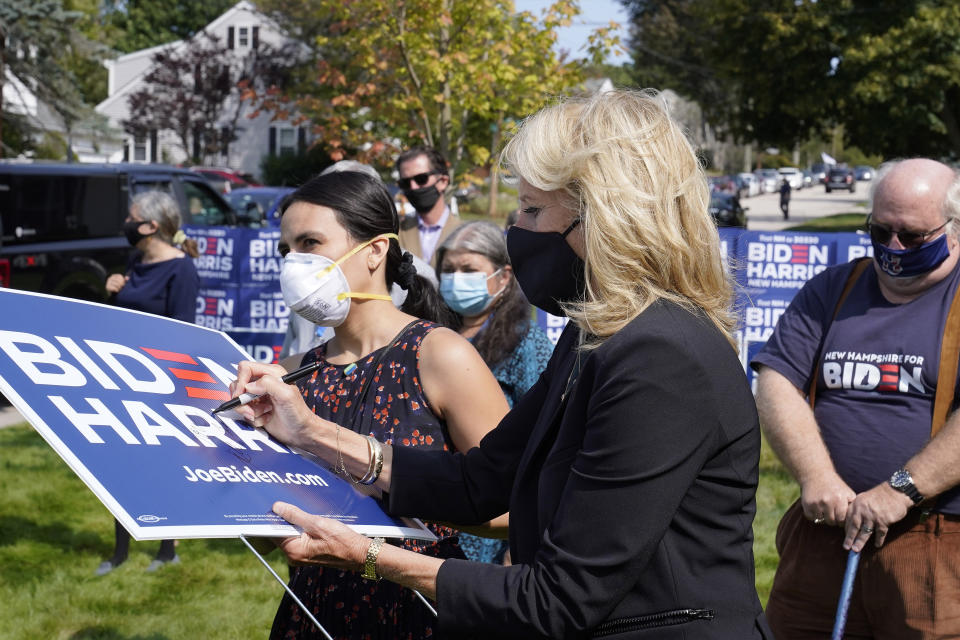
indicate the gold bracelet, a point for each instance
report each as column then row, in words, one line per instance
column 342, row 467
column 370, row 564
column 376, row 461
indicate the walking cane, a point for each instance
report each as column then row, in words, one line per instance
column 853, row 559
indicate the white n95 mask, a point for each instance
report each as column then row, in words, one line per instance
column 316, row 288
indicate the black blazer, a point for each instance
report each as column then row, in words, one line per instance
column 631, row 497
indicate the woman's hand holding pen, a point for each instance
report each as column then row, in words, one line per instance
column 280, row 409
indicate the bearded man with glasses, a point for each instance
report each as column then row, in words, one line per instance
column 856, row 394
column 424, row 179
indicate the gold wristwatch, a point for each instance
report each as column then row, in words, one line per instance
column 370, row 564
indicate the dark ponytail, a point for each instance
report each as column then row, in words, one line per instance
column 424, row 301
column 365, row 209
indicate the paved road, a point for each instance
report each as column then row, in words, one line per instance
column 9, row 416
column 805, row 204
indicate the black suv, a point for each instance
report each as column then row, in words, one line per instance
column 840, row 178
column 61, row 224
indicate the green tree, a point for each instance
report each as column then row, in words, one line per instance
column 86, row 62
column 783, row 71
column 141, row 24
column 36, row 37
column 447, row 73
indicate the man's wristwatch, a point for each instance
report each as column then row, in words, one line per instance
column 902, row 481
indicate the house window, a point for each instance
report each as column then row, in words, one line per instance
column 140, row 149
column 286, row 140
column 243, row 37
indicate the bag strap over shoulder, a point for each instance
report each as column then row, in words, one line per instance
column 855, row 273
column 947, row 373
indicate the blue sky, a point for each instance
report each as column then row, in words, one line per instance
column 593, row 13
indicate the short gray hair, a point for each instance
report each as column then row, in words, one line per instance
column 352, row 165
column 484, row 238
column 160, row 207
column 951, row 205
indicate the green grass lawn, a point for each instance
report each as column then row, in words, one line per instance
column 836, row 222
column 54, row 533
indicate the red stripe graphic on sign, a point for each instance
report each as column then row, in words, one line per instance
column 207, row 394
column 211, row 247
column 170, row 356
column 196, row 376
column 799, row 253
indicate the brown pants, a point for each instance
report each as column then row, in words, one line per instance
column 908, row 589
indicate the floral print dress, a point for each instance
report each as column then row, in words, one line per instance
column 395, row 411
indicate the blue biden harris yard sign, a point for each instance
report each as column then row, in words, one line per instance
column 125, row 399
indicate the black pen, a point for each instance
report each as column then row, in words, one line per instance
column 290, row 378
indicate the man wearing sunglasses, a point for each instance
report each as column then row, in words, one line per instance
column 424, row 178
column 877, row 456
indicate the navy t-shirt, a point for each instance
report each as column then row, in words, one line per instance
column 168, row 288
column 878, row 372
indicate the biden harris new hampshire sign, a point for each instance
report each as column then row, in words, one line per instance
column 125, row 397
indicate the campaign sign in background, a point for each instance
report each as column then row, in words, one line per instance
column 240, row 287
column 240, row 270
column 125, row 399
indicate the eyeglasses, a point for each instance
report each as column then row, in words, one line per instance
column 909, row 239
column 421, row 179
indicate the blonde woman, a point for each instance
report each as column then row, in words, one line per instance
column 630, row 467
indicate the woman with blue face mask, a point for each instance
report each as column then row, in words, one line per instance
column 477, row 283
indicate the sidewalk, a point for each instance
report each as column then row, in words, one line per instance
column 807, row 204
column 10, row 416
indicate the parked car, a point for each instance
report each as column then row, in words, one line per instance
column 726, row 210
column 808, row 180
column 863, row 172
column 819, row 172
column 792, row 175
column 769, row 180
column 61, row 224
column 717, row 183
column 225, row 180
column 266, row 200
column 840, row 178
column 751, row 183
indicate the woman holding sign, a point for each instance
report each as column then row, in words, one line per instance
column 387, row 373
column 630, row 467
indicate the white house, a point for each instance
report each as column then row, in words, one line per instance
column 242, row 28
column 88, row 142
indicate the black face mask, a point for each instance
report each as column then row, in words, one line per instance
column 132, row 231
column 423, row 199
column 547, row 269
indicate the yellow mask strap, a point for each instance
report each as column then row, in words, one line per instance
column 363, row 296
column 356, row 249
